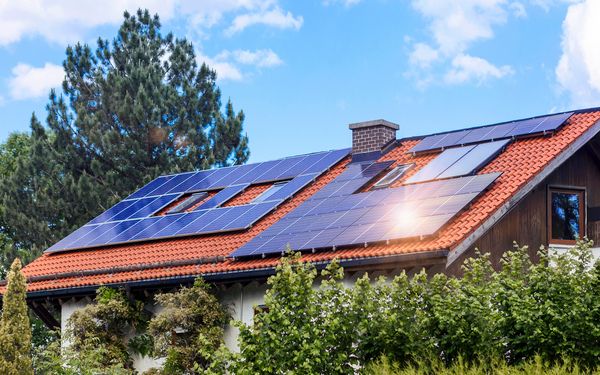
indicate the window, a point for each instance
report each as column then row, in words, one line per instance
column 187, row 203
column 566, row 215
column 269, row 192
column 392, row 176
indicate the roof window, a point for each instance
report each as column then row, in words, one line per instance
column 392, row 176
column 269, row 192
column 188, row 203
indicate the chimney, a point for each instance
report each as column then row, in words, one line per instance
column 370, row 138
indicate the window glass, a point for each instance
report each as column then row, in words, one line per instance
column 566, row 215
column 269, row 192
column 392, row 176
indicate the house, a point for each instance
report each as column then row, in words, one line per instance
column 384, row 205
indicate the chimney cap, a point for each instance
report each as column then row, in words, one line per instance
column 368, row 124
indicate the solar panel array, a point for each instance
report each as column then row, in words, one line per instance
column 538, row 125
column 133, row 219
column 338, row 216
column 459, row 161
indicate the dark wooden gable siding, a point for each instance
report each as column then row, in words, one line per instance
column 526, row 223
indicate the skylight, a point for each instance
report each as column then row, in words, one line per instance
column 269, row 192
column 392, row 176
column 187, row 203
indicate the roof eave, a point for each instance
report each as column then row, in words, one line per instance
column 424, row 258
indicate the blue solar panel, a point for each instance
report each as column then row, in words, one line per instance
column 152, row 185
column 194, row 180
column 551, row 123
column 479, row 156
column 154, row 206
column 438, row 165
column 329, row 160
column 222, row 196
column 171, row 229
column 133, row 219
column 172, row 183
column 493, row 132
column 156, row 226
column 106, row 215
column 369, row 216
column 112, row 232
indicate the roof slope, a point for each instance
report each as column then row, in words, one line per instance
column 521, row 161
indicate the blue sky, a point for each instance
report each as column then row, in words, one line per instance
column 303, row 70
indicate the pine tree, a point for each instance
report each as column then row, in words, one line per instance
column 129, row 111
column 15, row 332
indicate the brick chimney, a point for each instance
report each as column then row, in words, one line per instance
column 370, row 138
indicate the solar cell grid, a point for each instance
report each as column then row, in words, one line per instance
column 253, row 214
column 222, row 196
column 152, row 207
column 106, row 215
column 493, row 132
column 173, row 182
column 152, row 185
column 359, row 219
column 299, row 168
column 194, row 180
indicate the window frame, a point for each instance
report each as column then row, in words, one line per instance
column 407, row 166
column 579, row 190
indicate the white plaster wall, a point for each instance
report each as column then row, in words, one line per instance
column 241, row 301
column 561, row 249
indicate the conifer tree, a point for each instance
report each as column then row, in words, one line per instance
column 130, row 110
column 15, row 332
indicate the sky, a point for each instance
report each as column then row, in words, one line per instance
column 303, row 70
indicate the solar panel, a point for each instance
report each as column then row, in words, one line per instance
column 133, row 219
column 370, row 216
column 479, row 156
column 517, row 128
column 438, row 165
column 223, row 196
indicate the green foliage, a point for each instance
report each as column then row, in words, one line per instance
column 533, row 317
column 535, row 366
column 106, row 324
column 89, row 359
column 305, row 330
column 15, row 331
column 189, row 329
column 131, row 109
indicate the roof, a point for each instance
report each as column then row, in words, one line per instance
column 206, row 255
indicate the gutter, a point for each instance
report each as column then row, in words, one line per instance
column 436, row 256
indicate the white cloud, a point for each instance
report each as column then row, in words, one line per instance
column 455, row 26
column 66, row 21
column 423, row 55
column 225, row 63
column 578, row 70
column 262, row 58
column 466, row 68
column 29, row 82
column 275, row 17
